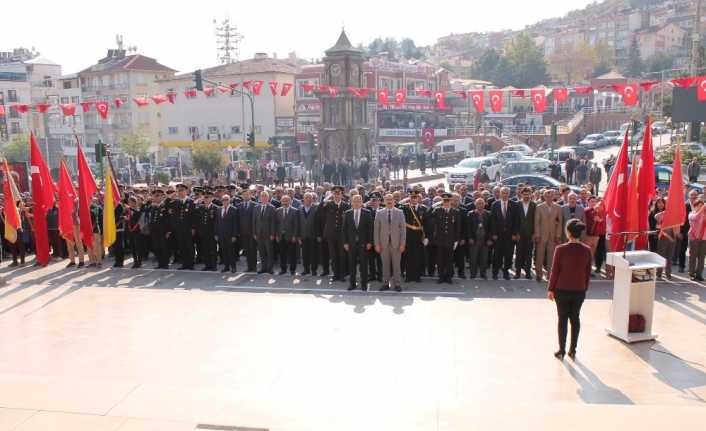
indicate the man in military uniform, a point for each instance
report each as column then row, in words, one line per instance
column 445, row 233
column 461, row 251
column 415, row 216
column 206, row 231
column 183, row 224
column 159, row 228
column 332, row 218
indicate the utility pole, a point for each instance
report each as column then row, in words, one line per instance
column 227, row 39
column 695, row 48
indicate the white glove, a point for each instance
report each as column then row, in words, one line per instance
column 425, row 242
column 455, row 245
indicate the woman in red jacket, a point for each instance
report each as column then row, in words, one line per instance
column 568, row 282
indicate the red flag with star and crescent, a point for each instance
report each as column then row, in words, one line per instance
column 496, row 100
column 42, row 198
column 428, row 137
column 560, row 94
column 616, row 197
column 477, row 98
column 539, row 99
column 629, row 93
column 102, row 108
column 645, row 185
column 701, row 88
column 383, row 95
column 400, row 97
column 440, row 98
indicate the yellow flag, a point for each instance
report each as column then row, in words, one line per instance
column 108, row 209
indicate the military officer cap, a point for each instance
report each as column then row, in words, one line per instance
column 446, row 196
column 157, row 192
column 181, row 186
column 198, row 190
column 220, row 188
column 375, row 196
column 170, row 191
column 231, row 187
column 338, row 189
column 208, row 193
column 244, row 185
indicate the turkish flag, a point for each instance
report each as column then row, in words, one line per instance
column 701, row 88
column 683, row 82
column 256, row 87
column 462, row 94
column 190, row 94
column 428, row 137
column 440, row 97
column 143, row 101
column 616, row 197
column 286, row 87
column 246, row 85
column 86, row 189
column 119, row 102
column 208, row 91
column 158, row 99
column 102, row 108
column 477, row 98
column 496, row 100
column 400, row 97
column 308, row 88
column 675, row 212
column 333, row 91
column 539, row 99
column 86, row 106
column 67, row 197
column 518, row 93
column 583, row 90
column 42, row 198
column 42, row 107
column 560, row 94
column 21, row 108
column 2, row 110
column 364, row 92
column 382, row 96
column 645, row 185
column 629, row 93
column 273, row 87
column 68, row 109
column 632, row 223
column 423, row 92
column 223, row 89
column 647, row 85
column 171, row 96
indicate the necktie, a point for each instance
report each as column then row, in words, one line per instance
column 285, row 212
column 504, row 209
column 263, row 211
column 357, row 218
column 224, row 213
column 389, row 225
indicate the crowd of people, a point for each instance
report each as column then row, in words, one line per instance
column 374, row 231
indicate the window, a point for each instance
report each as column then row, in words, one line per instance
column 74, row 99
column 235, row 130
column 194, row 132
column 664, row 176
column 13, row 113
column 15, row 127
column 173, row 130
column 448, row 149
column 12, row 95
column 67, row 85
column 212, row 129
column 64, row 100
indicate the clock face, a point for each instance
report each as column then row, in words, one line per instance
column 335, row 69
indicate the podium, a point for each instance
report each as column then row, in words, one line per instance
column 633, row 292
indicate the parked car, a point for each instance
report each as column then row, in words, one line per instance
column 659, row 128
column 564, row 153
column 595, row 140
column 508, row 156
column 535, row 181
column 465, row 171
column 525, row 166
column 613, row 137
column 525, row 149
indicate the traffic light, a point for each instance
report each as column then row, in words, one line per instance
column 198, row 80
column 251, row 139
column 100, row 151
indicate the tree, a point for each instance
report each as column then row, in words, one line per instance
column 485, row 68
column 208, row 159
column 134, row 145
column 527, row 61
column 660, row 61
column 388, row 45
column 574, row 62
column 409, row 49
column 634, row 66
column 17, row 150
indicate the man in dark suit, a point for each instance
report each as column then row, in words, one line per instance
column 505, row 232
column 416, row 219
column 374, row 259
column 206, row 230
column 264, row 231
column 478, row 228
column 287, row 235
column 245, row 230
column 226, row 231
column 308, row 232
column 525, row 243
column 358, row 240
column 331, row 215
column 445, row 235
column 183, row 212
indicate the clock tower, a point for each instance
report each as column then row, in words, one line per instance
column 344, row 132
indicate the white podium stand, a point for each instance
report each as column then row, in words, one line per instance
column 631, row 295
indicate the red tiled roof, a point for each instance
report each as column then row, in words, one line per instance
column 130, row 62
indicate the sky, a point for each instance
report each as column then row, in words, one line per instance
column 181, row 35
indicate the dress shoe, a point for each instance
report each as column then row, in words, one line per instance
column 351, row 287
column 384, row 288
column 282, row 272
column 324, row 274
column 495, row 276
column 517, row 275
column 136, row 265
column 449, row 281
column 80, row 265
column 232, row 271
column 484, row 276
column 225, row 269
column 538, row 278
column 572, row 355
column 506, row 275
column 559, row 355
column 261, row 272
column 68, row 266
column 439, row 281
column 398, row 289
column 364, row 288
column 305, row 273
column 528, row 276
column 313, row 273
column 462, row 276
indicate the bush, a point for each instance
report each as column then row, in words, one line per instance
column 667, row 156
column 161, row 177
